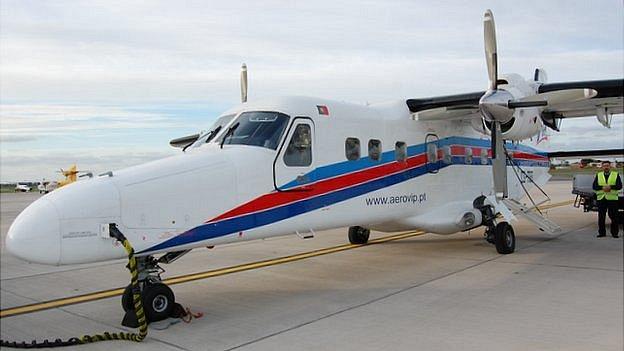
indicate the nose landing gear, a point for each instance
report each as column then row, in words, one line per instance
column 157, row 298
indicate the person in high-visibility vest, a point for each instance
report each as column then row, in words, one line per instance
column 607, row 184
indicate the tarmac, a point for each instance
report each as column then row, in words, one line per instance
column 429, row 292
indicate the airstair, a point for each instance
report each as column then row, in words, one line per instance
column 543, row 223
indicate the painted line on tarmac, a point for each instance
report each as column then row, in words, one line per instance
column 40, row 306
column 557, row 204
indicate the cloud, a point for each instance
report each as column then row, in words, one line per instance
column 21, row 122
column 587, row 134
column 34, row 165
column 105, row 78
column 16, row 138
column 135, row 52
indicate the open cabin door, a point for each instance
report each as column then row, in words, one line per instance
column 432, row 146
column 295, row 158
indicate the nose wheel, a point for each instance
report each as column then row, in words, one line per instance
column 157, row 298
column 158, row 301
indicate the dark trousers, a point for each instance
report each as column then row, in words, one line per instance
column 604, row 207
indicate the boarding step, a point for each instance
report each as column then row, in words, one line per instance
column 543, row 223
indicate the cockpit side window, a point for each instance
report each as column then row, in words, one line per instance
column 218, row 125
column 257, row 128
column 299, row 150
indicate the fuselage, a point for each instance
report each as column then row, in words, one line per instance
column 291, row 165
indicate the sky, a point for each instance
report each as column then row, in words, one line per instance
column 107, row 84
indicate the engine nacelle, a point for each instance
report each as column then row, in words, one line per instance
column 525, row 122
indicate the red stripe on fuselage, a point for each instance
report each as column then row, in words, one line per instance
column 528, row 156
column 279, row 198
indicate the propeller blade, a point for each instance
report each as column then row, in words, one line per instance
column 521, row 104
column 493, row 139
column 489, row 34
column 244, row 83
column 560, row 96
column 499, row 162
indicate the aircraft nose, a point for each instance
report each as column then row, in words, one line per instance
column 34, row 236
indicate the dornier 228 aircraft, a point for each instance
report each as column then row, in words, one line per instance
column 296, row 165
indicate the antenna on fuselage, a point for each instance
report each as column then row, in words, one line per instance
column 243, row 83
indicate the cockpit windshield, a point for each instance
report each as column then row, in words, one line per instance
column 214, row 130
column 256, row 128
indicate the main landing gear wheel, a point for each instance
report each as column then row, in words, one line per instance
column 358, row 235
column 504, row 238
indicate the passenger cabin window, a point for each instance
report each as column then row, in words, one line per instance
column 448, row 157
column 299, row 150
column 468, row 159
column 374, row 149
column 256, row 128
column 432, row 153
column 400, row 151
column 352, row 149
column 484, row 156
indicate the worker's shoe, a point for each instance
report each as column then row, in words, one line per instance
column 615, row 236
column 601, row 235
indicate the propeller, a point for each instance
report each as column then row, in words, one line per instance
column 494, row 108
column 244, row 83
column 497, row 106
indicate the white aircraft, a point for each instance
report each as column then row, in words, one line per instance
column 22, row 188
column 298, row 165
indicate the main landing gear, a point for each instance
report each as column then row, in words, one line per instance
column 358, row 235
column 500, row 234
column 157, row 298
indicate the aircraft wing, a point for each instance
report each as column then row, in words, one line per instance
column 448, row 107
column 606, row 99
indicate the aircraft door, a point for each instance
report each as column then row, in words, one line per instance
column 432, row 149
column 295, row 159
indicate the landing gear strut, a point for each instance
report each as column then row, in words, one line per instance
column 499, row 234
column 158, row 299
column 358, row 235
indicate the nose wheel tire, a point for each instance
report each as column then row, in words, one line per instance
column 504, row 238
column 358, row 235
column 158, row 301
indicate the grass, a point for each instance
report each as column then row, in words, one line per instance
column 569, row 172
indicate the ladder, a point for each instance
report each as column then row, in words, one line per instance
column 543, row 223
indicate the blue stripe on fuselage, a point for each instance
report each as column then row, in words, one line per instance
column 253, row 220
